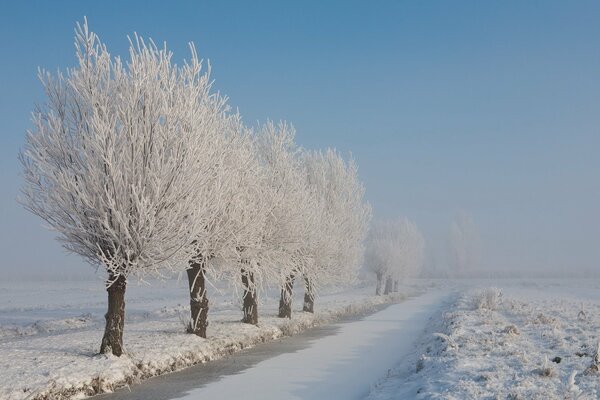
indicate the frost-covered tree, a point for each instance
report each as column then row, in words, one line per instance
column 335, row 249
column 252, row 231
column 230, row 215
column 379, row 257
column 410, row 252
column 394, row 250
column 273, row 254
column 464, row 245
column 379, row 254
column 291, row 217
column 257, row 257
column 114, row 162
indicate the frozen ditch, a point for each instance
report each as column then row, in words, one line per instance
column 338, row 361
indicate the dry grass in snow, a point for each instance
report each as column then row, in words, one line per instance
column 522, row 343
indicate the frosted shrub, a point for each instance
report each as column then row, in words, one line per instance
column 488, row 299
column 420, row 363
column 511, row 330
column 543, row 319
column 546, row 370
column 450, row 343
column 186, row 321
column 594, row 368
column 582, row 316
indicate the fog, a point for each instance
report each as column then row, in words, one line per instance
column 488, row 110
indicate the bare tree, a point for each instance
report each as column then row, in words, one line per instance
column 114, row 162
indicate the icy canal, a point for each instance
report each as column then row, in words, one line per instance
column 339, row 361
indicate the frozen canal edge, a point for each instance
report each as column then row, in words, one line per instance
column 337, row 361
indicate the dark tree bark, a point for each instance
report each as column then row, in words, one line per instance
column 112, row 341
column 198, row 298
column 388, row 285
column 285, row 302
column 395, row 286
column 309, row 297
column 250, row 306
column 378, row 289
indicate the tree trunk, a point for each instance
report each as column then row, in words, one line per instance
column 309, row 297
column 112, row 341
column 388, row 285
column 285, row 302
column 379, row 284
column 250, row 307
column 395, row 286
column 198, row 298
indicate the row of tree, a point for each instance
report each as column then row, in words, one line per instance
column 142, row 169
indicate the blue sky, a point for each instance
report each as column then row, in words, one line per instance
column 488, row 107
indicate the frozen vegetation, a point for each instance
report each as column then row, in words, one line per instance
column 141, row 168
column 530, row 340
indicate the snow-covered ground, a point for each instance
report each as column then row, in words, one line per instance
column 50, row 333
column 525, row 340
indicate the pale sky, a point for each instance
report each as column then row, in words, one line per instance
column 488, row 107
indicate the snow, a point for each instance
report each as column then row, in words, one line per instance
column 50, row 333
column 339, row 366
column 458, row 340
column 503, row 344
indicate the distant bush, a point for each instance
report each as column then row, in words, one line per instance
column 488, row 299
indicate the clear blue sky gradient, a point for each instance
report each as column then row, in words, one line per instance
column 488, row 107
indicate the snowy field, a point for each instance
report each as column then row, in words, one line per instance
column 525, row 340
column 50, row 333
column 521, row 340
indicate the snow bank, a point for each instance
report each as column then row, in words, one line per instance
column 517, row 343
column 61, row 361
